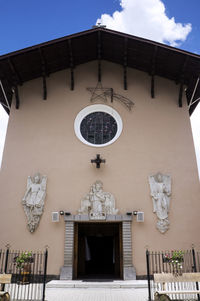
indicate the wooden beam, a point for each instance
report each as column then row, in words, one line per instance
column 181, row 81
column 180, row 76
column 71, row 62
column 72, row 78
column 153, row 71
column 152, row 86
column 44, row 74
column 17, row 80
column 14, row 88
column 125, row 63
column 180, row 103
column 99, row 56
column 44, row 86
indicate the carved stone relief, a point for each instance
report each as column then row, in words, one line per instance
column 160, row 186
column 33, row 200
column 97, row 203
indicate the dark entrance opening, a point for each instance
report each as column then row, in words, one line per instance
column 99, row 251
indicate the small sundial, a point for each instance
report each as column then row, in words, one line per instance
column 101, row 93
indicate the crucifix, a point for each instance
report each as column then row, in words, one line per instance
column 98, row 161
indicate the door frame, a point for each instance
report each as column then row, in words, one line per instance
column 69, row 272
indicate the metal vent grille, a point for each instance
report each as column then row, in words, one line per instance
column 55, row 217
column 140, row 217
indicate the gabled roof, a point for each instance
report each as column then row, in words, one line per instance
column 100, row 44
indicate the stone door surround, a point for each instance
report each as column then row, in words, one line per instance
column 70, row 220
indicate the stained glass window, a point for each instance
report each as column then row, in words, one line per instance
column 98, row 128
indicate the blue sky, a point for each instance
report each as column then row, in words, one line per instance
column 26, row 23
column 186, row 11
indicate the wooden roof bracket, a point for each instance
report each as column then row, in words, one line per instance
column 71, row 60
column 16, row 79
column 15, row 74
column 153, row 71
column 181, row 81
column 44, row 85
column 44, row 74
column 152, row 86
column 17, row 100
column 99, row 55
column 180, row 103
column 125, row 63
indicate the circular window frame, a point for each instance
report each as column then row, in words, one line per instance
column 92, row 109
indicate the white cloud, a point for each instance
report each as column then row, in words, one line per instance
column 147, row 19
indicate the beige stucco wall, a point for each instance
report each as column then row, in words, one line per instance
column 156, row 137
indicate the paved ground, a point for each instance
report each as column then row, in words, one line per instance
column 96, row 292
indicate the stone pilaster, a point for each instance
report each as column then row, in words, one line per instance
column 67, row 269
column 128, row 269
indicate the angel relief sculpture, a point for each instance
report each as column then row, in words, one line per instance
column 33, row 200
column 160, row 186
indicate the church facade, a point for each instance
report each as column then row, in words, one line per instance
column 99, row 161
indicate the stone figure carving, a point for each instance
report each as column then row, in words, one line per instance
column 33, row 200
column 160, row 186
column 98, row 203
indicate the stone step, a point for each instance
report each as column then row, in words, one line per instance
column 85, row 284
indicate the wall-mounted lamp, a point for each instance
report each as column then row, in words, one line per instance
column 62, row 212
column 139, row 214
